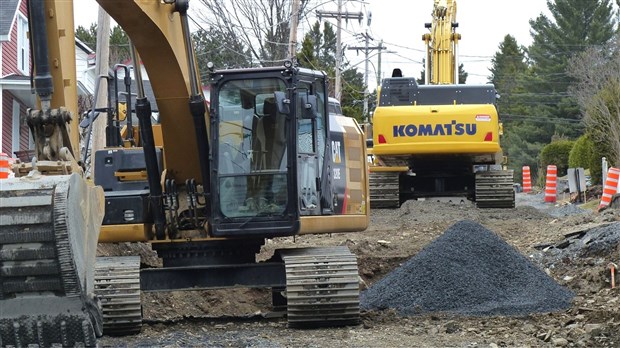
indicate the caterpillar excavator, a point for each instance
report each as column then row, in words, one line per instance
column 441, row 139
column 206, row 187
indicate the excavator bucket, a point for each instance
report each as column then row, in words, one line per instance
column 49, row 227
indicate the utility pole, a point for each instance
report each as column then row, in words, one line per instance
column 367, row 50
column 293, row 33
column 101, row 66
column 339, row 15
column 379, row 64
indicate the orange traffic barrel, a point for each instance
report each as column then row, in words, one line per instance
column 611, row 186
column 5, row 166
column 551, row 184
column 527, row 179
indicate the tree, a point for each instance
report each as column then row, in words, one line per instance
column 119, row 41
column 119, row 45
column 87, row 36
column 261, row 26
column 575, row 25
column 210, row 47
column 597, row 91
column 353, row 94
column 507, row 74
column 318, row 51
column 557, row 153
column 462, row 74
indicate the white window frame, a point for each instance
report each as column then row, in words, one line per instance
column 15, row 127
column 23, row 45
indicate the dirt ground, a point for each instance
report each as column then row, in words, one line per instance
column 240, row 317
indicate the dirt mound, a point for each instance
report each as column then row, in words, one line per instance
column 467, row 270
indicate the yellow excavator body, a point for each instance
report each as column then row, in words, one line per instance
column 206, row 185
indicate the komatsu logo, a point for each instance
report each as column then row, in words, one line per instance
column 452, row 128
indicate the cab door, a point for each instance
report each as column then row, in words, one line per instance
column 311, row 134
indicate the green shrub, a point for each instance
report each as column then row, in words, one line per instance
column 582, row 154
column 557, row 154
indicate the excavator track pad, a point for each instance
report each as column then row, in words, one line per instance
column 322, row 286
column 117, row 285
column 384, row 190
column 494, row 189
column 48, row 240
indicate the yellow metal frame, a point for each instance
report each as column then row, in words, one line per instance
column 125, row 233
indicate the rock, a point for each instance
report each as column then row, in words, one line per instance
column 559, row 342
column 528, row 328
column 452, row 327
column 592, row 327
column 493, row 345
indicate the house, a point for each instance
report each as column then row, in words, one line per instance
column 15, row 84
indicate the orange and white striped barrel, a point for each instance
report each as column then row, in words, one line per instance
column 551, row 189
column 611, row 186
column 527, row 179
column 5, row 166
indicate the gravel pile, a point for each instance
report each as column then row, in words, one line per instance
column 468, row 270
column 566, row 210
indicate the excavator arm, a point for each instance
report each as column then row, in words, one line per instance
column 442, row 44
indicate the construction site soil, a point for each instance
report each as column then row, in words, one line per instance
column 534, row 276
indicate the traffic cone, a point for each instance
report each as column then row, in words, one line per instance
column 610, row 188
column 5, row 168
column 527, row 179
column 551, row 184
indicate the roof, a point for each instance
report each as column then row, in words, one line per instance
column 81, row 45
column 148, row 91
column 15, row 77
column 7, row 13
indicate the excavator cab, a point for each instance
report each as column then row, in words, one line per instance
column 258, row 163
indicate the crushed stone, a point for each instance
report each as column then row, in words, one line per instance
column 468, row 270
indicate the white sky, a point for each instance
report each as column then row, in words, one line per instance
column 400, row 23
column 483, row 24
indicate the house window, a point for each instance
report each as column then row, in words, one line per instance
column 23, row 46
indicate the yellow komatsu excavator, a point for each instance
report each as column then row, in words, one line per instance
column 207, row 186
column 441, row 139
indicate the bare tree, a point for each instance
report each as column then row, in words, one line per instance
column 597, row 91
column 262, row 26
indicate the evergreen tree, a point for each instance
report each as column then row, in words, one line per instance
column 119, row 45
column 318, row 51
column 119, row 41
column 462, row 74
column 507, row 73
column 87, row 36
column 574, row 26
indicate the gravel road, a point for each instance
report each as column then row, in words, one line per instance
column 496, row 260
